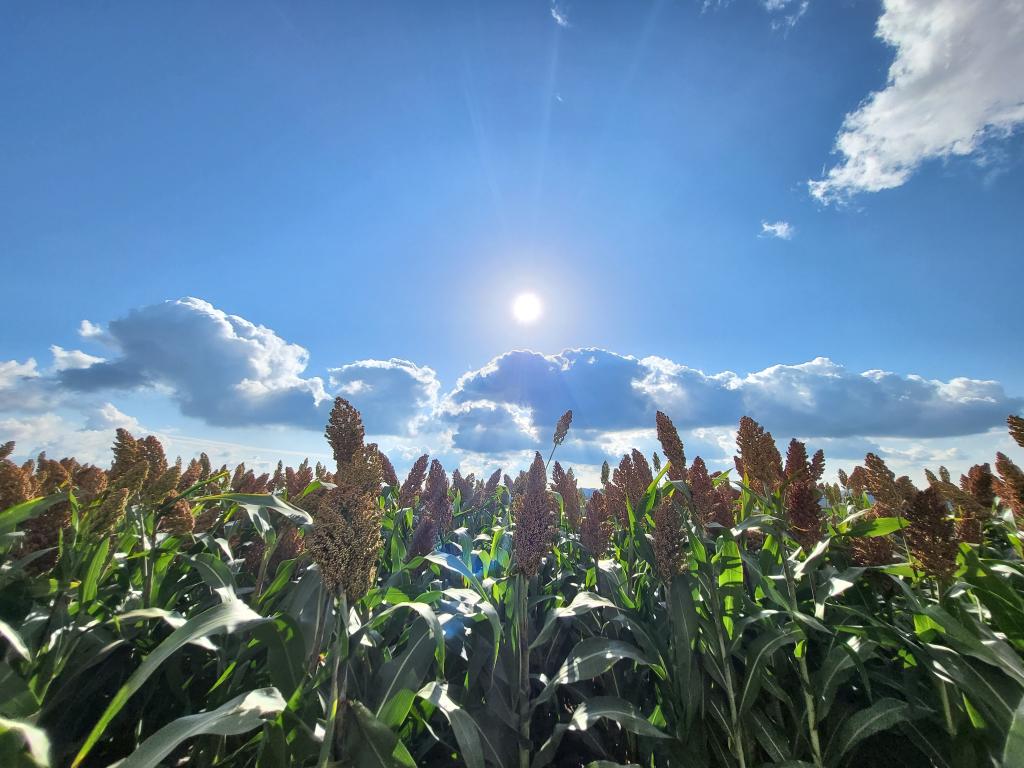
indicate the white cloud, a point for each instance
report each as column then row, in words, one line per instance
column 782, row 230
column 58, row 436
column 957, row 80
column 220, row 368
column 230, row 372
column 92, row 332
column 71, row 359
column 513, row 402
column 23, row 387
column 108, row 417
column 786, row 13
column 393, row 395
column 559, row 15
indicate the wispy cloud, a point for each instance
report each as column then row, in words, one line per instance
column 786, row 13
column 781, row 230
column 559, row 15
column 954, row 84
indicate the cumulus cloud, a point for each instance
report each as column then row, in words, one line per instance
column 61, row 435
column 782, row 230
column 515, row 399
column 957, row 80
column 71, row 359
column 394, row 396
column 23, row 387
column 228, row 371
column 218, row 367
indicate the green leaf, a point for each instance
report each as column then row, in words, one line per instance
column 14, row 639
column 405, row 671
column 620, row 712
column 584, row 602
column 880, row 716
column 880, row 526
column 18, row 738
column 840, row 659
column 467, row 734
column 396, row 708
column 240, row 715
column 377, row 745
column 265, row 501
column 90, row 584
column 589, row 712
column 425, row 612
column 14, row 516
column 230, row 616
column 216, row 574
column 768, row 736
column 1013, row 750
column 454, row 564
column 590, row 658
column 760, row 651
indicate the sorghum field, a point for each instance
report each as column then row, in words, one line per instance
column 180, row 614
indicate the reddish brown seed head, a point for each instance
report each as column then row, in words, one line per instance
column 534, row 514
column 671, row 446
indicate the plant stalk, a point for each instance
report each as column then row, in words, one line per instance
column 332, row 728
column 522, row 609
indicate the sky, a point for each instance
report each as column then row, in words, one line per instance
column 217, row 217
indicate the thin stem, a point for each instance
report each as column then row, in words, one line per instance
column 805, row 677
column 332, row 728
column 524, row 671
column 322, row 609
column 730, row 686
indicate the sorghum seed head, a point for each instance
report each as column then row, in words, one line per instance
column 871, row 551
column 596, row 526
column 104, row 518
column 423, row 537
column 344, row 431
column 758, row 456
column 931, row 534
column 297, row 480
column 126, row 453
column 435, row 498
column 562, row 428
column 534, row 514
column 413, row 482
column 565, row 483
column 1011, row 485
column 980, row 483
column 671, row 446
column 803, row 514
column 668, row 540
column 492, row 485
column 388, row 470
column 1016, row 424
column 16, row 486
column 179, row 520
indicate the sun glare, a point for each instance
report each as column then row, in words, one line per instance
column 526, row 308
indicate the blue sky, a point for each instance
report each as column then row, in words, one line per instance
column 719, row 187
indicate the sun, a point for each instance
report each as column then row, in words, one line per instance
column 526, row 308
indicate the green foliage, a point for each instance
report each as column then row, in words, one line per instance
column 145, row 643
